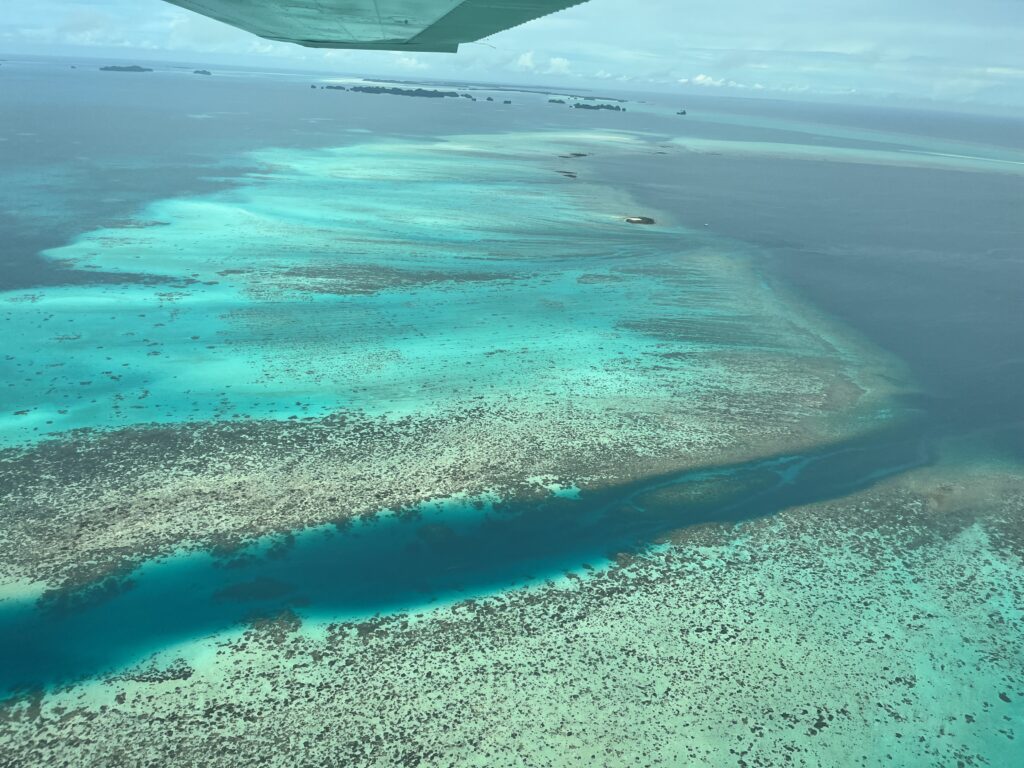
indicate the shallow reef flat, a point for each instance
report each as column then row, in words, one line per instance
column 392, row 454
column 540, row 448
column 882, row 628
column 395, row 279
column 369, row 327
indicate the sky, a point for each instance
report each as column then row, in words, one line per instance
column 968, row 53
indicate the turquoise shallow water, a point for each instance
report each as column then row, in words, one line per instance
column 391, row 279
column 481, row 330
column 333, row 279
column 420, row 280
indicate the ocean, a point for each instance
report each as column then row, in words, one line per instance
column 321, row 401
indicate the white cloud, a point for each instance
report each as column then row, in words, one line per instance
column 525, row 62
column 411, row 62
column 707, row 81
column 558, row 66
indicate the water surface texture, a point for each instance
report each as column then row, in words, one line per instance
column 379, row 424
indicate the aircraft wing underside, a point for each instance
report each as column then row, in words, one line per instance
column 399, row 25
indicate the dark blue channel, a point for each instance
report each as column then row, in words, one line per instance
column 405, row 562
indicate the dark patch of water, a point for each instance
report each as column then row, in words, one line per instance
column 927, row 264
column 406, row 562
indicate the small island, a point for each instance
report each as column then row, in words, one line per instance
column 610, row 107
column 422, row 93
column 129, row 68
column 556, row 101
column 201, row 72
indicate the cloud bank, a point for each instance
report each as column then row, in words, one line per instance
column 953, row 53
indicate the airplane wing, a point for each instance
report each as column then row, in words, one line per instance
column 395, row 25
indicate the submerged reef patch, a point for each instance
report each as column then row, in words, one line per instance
column 368, row 327
column 402, row 279
column 392, row 454
column 881, row 628
column 377, row 332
